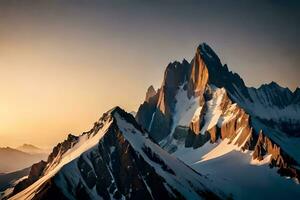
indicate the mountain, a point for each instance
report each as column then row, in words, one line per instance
column 206, row 116
column 115, row 159
column 202, row 135
column 31, row 149
column 13, row 159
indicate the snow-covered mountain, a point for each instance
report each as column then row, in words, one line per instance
column 206, row 116
column 115, row 160
column 202, row 135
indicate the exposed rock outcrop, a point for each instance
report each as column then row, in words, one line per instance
column 287, row 165
column 198, row 76
column 121, row 167
column 150, row 93
column 234, row 123
column 35, row 173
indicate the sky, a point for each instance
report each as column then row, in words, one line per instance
column 64, row 63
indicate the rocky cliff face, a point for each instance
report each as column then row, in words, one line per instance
column 198, row 76
column 35, row 173
column 200, row 107
column 203, row 101
column 263, row 146
column 192, row 76
column 122, row 164
column 41, row 168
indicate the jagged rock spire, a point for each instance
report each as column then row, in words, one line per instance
column 150, row 93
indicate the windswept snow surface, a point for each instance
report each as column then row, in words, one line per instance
column 237, row 173
column 246, row 180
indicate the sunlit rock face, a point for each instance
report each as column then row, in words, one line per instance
column 150, row 93
column 35, row 173
column 198, row 76
column 192, row 77
column 201, row 115
column 217, row 105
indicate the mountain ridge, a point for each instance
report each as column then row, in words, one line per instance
column 228, row 110
column 161, row 174
column 203, row 115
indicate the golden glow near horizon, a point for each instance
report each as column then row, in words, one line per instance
column 63, row 64
column 48, row 93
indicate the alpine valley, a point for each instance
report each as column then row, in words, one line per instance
column 202, row 135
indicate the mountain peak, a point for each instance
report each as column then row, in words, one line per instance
column 274, row 85
column 31, row 149
column 151, row 92
column 208, row 53
column 297, row 90
column 114, row 160
column 28, row 146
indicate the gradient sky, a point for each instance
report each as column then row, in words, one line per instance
column 62, row 64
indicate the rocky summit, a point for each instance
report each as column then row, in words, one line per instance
column 202, row 135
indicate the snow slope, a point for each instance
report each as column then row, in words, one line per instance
column 179, row 179
column 83, row 145
column 237, row 173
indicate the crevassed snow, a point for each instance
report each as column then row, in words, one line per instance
column 85, row 143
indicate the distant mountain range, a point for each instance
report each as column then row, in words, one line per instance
column 31, row 149
column 19, row 158
column 202, row 135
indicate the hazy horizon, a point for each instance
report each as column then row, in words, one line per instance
column 63, row 64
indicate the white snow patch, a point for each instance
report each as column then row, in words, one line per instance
column 197, row 114
column 265, row 161
column 213, row 109
column 223, row 148
column 151, row 122
column 185, row 108
column 236, row 175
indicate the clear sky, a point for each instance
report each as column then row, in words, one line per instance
column 62, row 64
